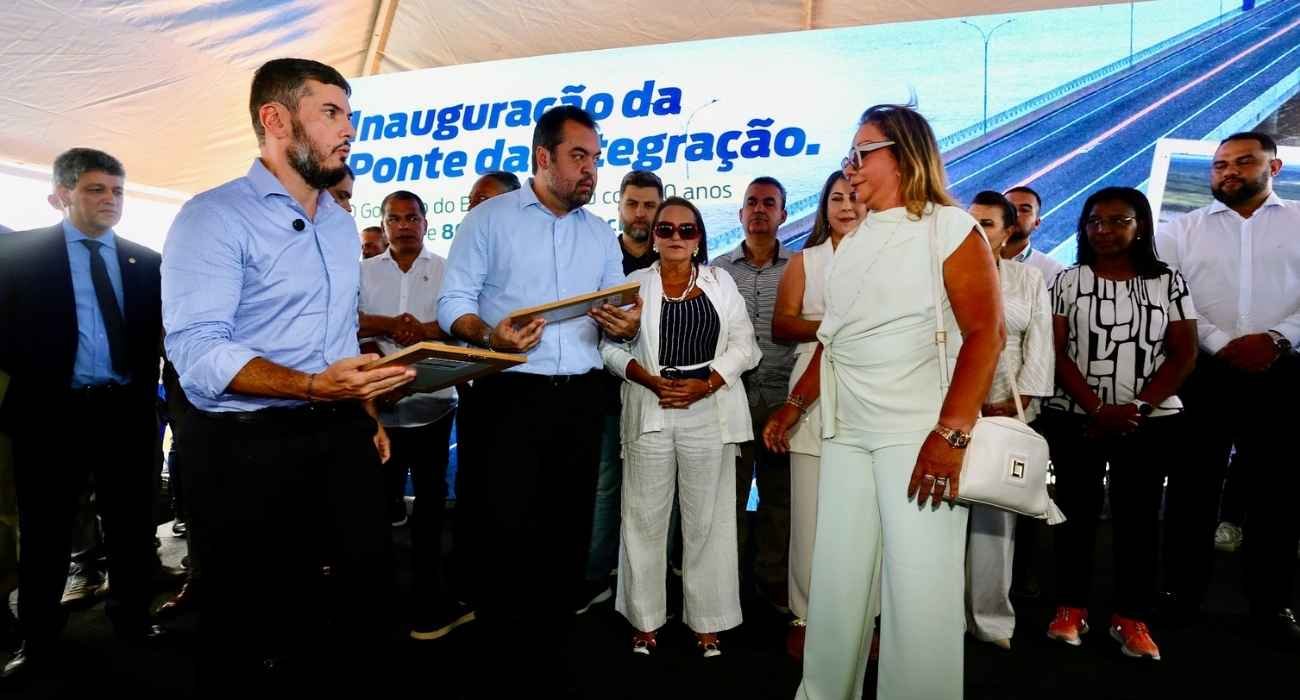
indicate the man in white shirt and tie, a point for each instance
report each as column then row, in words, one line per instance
column 1240, row 256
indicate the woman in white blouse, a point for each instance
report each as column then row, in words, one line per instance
column 684, row 414
column 1027, row 312
column 1125, row 335
column 889, row 435
column 800, row 305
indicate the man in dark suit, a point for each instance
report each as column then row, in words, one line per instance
column 80, row 329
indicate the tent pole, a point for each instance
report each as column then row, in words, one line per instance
column 379, row 35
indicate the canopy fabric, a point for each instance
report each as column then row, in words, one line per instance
column 163, row 84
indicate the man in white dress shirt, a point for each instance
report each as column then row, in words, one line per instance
column 1240, row 256
column 1028, row 205
column 398, row 307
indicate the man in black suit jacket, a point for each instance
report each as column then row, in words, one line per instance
column 80, row 330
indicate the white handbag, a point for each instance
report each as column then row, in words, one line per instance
column 1005, row 465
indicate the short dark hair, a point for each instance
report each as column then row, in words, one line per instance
column 1142, row 253
column 701, row 256
column 406, row 195
column 991, row 198
column 380, row 229
column 347, row 173
column 283, row 80
column 75, row 162
column 768, row 180
column 1029, row 191
column 641, row 178
column 549, row 131
column 1265, row 141
column 506, row 179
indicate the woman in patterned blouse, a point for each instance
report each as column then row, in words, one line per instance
column 1125, row 331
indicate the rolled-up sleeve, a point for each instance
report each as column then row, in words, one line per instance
column 202, row 278
column 467, row 266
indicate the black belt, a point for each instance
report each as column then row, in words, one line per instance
column 308, row 413
column 697, row 373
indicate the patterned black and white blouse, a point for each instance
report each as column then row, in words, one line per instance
column 688, row 332
column 1117, row 332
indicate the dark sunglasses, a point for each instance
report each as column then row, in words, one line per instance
column 688, row 232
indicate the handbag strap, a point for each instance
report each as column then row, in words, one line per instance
column 940, row 330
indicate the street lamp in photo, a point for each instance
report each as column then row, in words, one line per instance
column 686, row 130
column 987, row 37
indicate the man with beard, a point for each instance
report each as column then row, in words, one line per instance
column 757, row 265
column 373, row 242
column 1028, row 204
column 536, row 439
column 640, row 193
column 79, row 327
column 1239, row 256
column 260, row 283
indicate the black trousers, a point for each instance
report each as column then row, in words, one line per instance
column 1227, row 408
column 1138, row 462
column 422, row 451
column 107, row 435
column 275, row 495
column 531, row 446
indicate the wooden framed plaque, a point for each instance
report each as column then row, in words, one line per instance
column 438, row 365
column 573, row 307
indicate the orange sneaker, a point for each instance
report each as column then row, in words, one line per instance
column 708, row 644
column 1134, row 637
column 643, row 643
column 1068, row 625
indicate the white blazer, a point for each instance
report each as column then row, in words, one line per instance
column 737, row 352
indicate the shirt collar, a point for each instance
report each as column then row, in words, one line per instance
column 265, row 184
column 527, row 198
column 425, row 254
column 780, row 254
column 72, row 234
column 1272, row 201
column 1023, row 256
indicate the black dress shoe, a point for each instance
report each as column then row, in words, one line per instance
column 1280, row 629
column 22, row 667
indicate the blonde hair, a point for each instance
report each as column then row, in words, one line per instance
column 920, row 165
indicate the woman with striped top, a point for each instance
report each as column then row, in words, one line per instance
column 684, row 413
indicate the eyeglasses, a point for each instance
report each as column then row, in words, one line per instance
column 1111, row 222
column 688, row 232
column 860, row 151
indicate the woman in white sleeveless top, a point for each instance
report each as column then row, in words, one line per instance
column 798, row 313
column 1031, row 356
column 893, row 445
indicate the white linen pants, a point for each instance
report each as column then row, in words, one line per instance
column 804, row 475
column 865, row 517
column 687, row 456
column 989, row 554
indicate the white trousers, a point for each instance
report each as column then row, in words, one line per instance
column 687, row 456
column 989, row 553
column 865, row 517
column 804, row 471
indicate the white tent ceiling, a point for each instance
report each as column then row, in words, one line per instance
column 163, row 84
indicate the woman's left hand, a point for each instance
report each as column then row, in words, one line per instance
column 937, row 472
column 681, row 393
column 382, row 445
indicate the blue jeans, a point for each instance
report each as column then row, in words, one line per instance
column 602, row 557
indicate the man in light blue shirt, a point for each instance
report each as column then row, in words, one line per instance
column 530, row 437
column 260, row 284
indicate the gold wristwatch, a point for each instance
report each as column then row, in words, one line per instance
column 956, row 439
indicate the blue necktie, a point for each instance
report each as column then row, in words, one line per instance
column 107, row 306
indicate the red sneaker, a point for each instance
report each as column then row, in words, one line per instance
column 794, row 639
column 1134, row 637
column 1068, row 625
column 643, row 643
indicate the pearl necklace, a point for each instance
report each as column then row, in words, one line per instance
column 690, row 285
